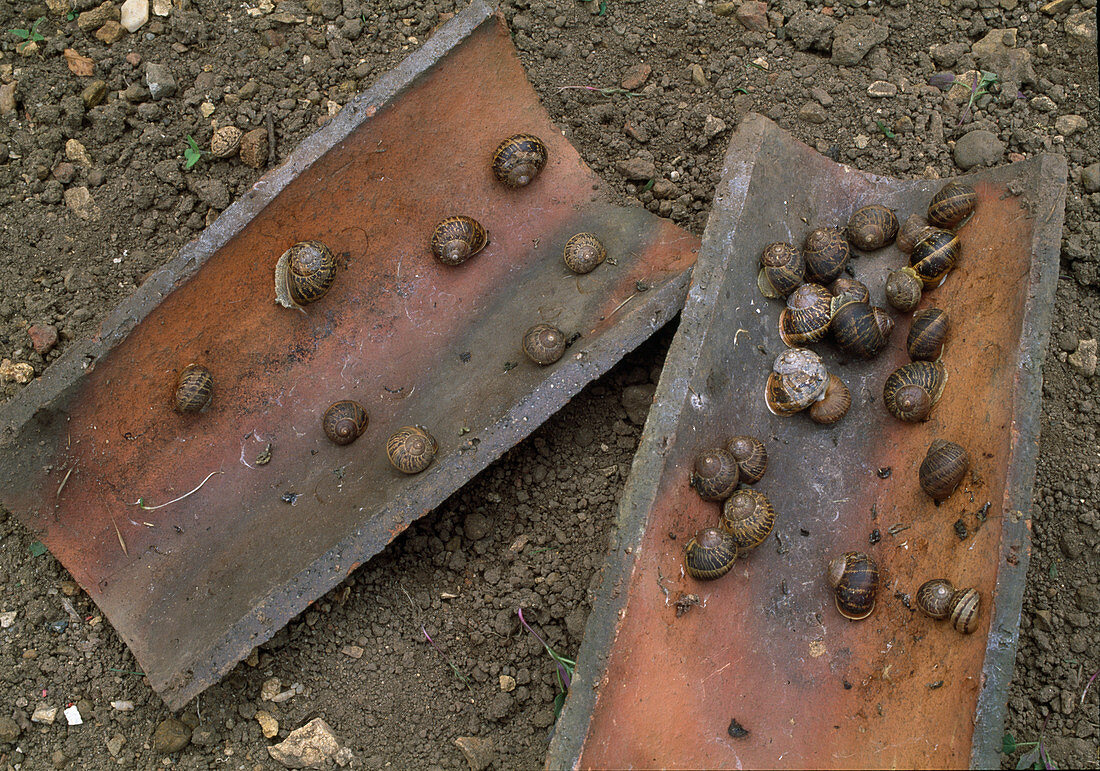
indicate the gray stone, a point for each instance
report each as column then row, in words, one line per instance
column 881, row 89
column 855, row 38
column 310, row 746
column 698, row 77
column 946, row 54
column 812, row 112
column 978, row 148
column 995, row 41
column 114, row 744
column 637, row 400
column 810, row 30
column 754, row 15
column 1090, row 178
column 1043, row 104
column 1068, row 125
column 9, row 730
column 171, row 736
column 636, row 168
column 1081, row 29
column 1084, row 358
column 160, row 80
column 712, row 127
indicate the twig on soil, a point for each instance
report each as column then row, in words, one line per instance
column 61, row 486
column 419, row 620
column 600, row 91
column 141, row 501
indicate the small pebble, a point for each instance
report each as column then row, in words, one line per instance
column 122, row 706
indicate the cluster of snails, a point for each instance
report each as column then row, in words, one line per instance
column 939, row 599
column 747, row 516
column 799, row 381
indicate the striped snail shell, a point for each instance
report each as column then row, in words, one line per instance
column 304, row 274
column 751, row 456
column 846, row 285
column 912, row 390
column 951, row 205
column 912, row 230
column 749, row 517
column 904, row 288
column 807, row 315
column 226, row 141
column 872, row 227
column 710, row 554
column 715, row 474
column 854, row 578
column 859, row 329
column 411, row 449
column 518, row 159
column 934, row 255
column 826, row 253
column 797, row 380
column 934, row 597
column 194, row 388
column 834, row 405
column 963, row 612
column 544, row 344
column 927, row 333
column 943, row 468
column 583, row 253
column 457, row 239
column 783, row 270
column 344, row 421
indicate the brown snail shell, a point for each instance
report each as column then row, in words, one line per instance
column 807, row 315
column 751, row 457
column 872, row 227
column 797, row 380
column 834, row 405
column 544, row 344
column 854, row 578
column 344, row 421
column 934, row 255
column 226, row 141
column 859, row 329
column 904, row 288
column 850, row 287
column 710, row 554
column 826, row 253
column 304, row 274
column 715, row 474
column 749, row 517
column 519, row 159
column 912, row 390
column 912, row 230
column 963, row 612
column 784, row 269
column 457, row 239
column 927, row 333
column 951, row 205
column 194, row 388
column 934, row 597
column 411, row 449
column 583, row 253
column 943, row 468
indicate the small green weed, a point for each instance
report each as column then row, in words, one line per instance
column 885, row 130
column 28, row 36
column 565, row 667
column 192, row 154
column 1036, row 756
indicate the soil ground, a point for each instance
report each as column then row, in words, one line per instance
column 81, row 225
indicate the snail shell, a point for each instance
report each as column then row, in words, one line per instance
column 797, row 380
column 951, row 205
column 710, row 554
column 519, row 159
column 934, row 597
column 784, row 269
column 411, row 449
column 857, row 290
column 751, row 457
column 913, row 389
column 912, row 230
column 457, row 239
column 544, row 344
column 749, row 517
column 344, row 421
column 944, row 466
column 194, row 388
column 826, row 253
column 859, row 329
column 872, row 227
column 715, row 474
column 904, row 288
column 583, row 253
column 934, row 255
column 807, row 315
column 226, row 141
column 963, row 612
column 304, row 274
column 927, row 333
column 854, row 578
column 834, row 405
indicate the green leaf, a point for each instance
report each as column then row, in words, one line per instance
column 35, row 35
column 603, row 8
column 1029, row 760
column 1053, row 570
column 1008, row 744
column 648, row 186
column 22, row 34
column 37, row 549
column 559, row 702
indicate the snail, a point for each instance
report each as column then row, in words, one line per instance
column 904, row 288
column 963, row 613
column 749, row 517
column 826, row 253
column 304, row 274
column 751, row 457
column 544, row 344
column 934, row 255
column 797, row 380
column 411, row 449
column 854, row 578
column 855, row 289
column 872, row 227
column 807, row 315
column 834, row 405
column 194, row 388
column 912, row 230
column 944, row 466
column 715, row 474
column 518, row 159
column 583, row 253
column 457, row 239
column 951, row 205
column 938, row 598
column 927, row 333
column 226, row 141
column 784, row 269
column 859, row 329
column 344, row 421
column 912, row 390
column 710, row 554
